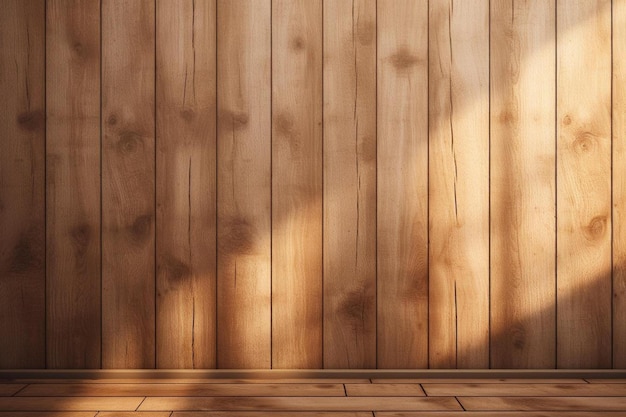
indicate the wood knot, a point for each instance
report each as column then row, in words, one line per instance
column 584, row 142
column 31, row 120
column 25, row 255
column 297, row 43
column 129, row 142
column 507, row 117
column 187, row 115
column 81, row 235
column 112, row 119
column 596, row 228
column 517, row 334
column 283, row 123
column 234, row 120
column 175, row 270
column 141, row 227
column 567, row 120
column 353, row 307
column 237, row 238
column 79, row 50
column 403, row 59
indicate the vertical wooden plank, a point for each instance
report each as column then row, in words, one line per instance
column 22, row 169
column 402, row 124
column 619, row 184
column 297, row 183
column 584, row 184
column 522, row 184
column 349, row 184
column 73, row 184
column 186, row 252
column 459, row 183
column 128, row 276
column 244, row 177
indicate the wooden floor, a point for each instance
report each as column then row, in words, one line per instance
column 312, row 397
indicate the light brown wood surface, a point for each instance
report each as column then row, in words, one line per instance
column 526, row 390
column 349, row 184
column 244, row 177
column 619, row 182
column 458, row 193
column 382, row 390
column 312, row 184
column 597, row 404
column 185, row 184
column 22, row 195
column 128, row 189
column 584, row 184
column 69, row 403
column 297, row 184
column 73, row 184
column 523, row 184
column 402, row 167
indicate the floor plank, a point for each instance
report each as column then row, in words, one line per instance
column 298, row 403
column 544, row 403
column 501, row 414
column 193, row 381
column 134, row 414
column 7, row 390
column 522, row 390
column 263, row 414
column 52, row 414
column 187, row 390
column 479, row 381
column 384, row 390
column 69, row 403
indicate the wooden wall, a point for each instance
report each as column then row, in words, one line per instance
column 312, row 184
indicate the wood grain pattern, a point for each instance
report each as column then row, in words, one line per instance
column 69, row 403
column 458, row 184
column 584, row 184
column 350, row 184
column 619, row 183
column 544, row 403
column 73, row 184
column 501, row 414
column 128, row 211
column 22, row 195
column 522, row 184
column 185, row 183
column 298, row 403
column 7, row 390
column 51, row 414
column 526, row 390
column 402, row 160
column 382, row 390
column 244, row 177
column 184, row 390
column 297, row 184
column 274, row 414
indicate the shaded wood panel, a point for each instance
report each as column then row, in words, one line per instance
column 584, row 184
column 297, row 184
column 73, row 184
column 458, row 194
column 22, row 194
column 185, row 184
column 244, row 178
column 402, row 166
column 523, row 184
column 128, row 184
column 619, row 184
column 350, row 184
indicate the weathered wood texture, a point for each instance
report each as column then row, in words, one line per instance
column 185, row 183
column 73, row 184
column 459, row 184
column 244, row 177
column 22, row 195
column 350, row 184
column 402, row 164
column 522, row 184
column 619, row 183
column 313, row 183
column 584, row 184
column 128, row 182
column 297, row 183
